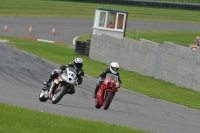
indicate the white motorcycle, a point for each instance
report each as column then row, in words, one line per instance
column 59, row 86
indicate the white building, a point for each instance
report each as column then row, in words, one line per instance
column 110, row 22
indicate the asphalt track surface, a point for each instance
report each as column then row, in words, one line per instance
column 67, row 29
column 22, row 74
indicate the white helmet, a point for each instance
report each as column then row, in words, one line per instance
column 114, row 67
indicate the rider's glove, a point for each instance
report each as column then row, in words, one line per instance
column 100, row 79
column 58, row 70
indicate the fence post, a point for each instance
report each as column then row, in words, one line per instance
column 158, row 62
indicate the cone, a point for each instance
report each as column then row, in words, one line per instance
column 53, row 31
column 6, row 28
column 30, row 30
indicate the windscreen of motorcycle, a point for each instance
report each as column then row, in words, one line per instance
column 69, row 75
column 113, row 78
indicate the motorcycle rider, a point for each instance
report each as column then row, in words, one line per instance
column 114, row 68
column 78, row 64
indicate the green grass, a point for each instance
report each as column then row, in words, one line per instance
column 178, row 37
column 131, row 80
column 21, row 120
column 46, row 8
column 184, row 1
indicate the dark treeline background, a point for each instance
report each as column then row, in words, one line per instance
column 146, row 3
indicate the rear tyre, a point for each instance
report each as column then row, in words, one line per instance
column 59, row 93
column 97, row 104
column 42, row 97
column 108, row 100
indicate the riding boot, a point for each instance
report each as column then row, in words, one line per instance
column 71, row 90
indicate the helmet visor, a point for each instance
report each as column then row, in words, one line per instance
column 78, row 65
column 115, row 69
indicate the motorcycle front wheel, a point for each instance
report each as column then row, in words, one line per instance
column 107, row 101
column 59, row 93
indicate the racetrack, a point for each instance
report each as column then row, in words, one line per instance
column 21, row 80
column 67, row 29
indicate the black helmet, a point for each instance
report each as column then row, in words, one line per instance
column 78, row 63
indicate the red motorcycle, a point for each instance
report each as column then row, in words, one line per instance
column 107, row 91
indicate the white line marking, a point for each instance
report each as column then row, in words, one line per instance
column 75, row 40
column 42, row 40
column 3, row 40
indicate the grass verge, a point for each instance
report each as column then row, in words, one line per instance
column 182, row 1
column 178, row 37
column 21, row 120
column 49, row 8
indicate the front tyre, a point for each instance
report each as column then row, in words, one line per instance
column 43, row 96
column 59, row 93
column 107, row 100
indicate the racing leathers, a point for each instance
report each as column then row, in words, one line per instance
column 102, row 76
column 55, row 73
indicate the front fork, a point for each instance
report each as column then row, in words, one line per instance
column 51, row 89
column 53, row 86
column 105, row 91
column 56, row 85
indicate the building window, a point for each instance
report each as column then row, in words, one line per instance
column 120, row 21
column 102, row 19
column 111, row 20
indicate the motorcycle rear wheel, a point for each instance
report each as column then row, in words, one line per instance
column 59, row 93
column 107, row 101
column 42, row 97
column 97, row 104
